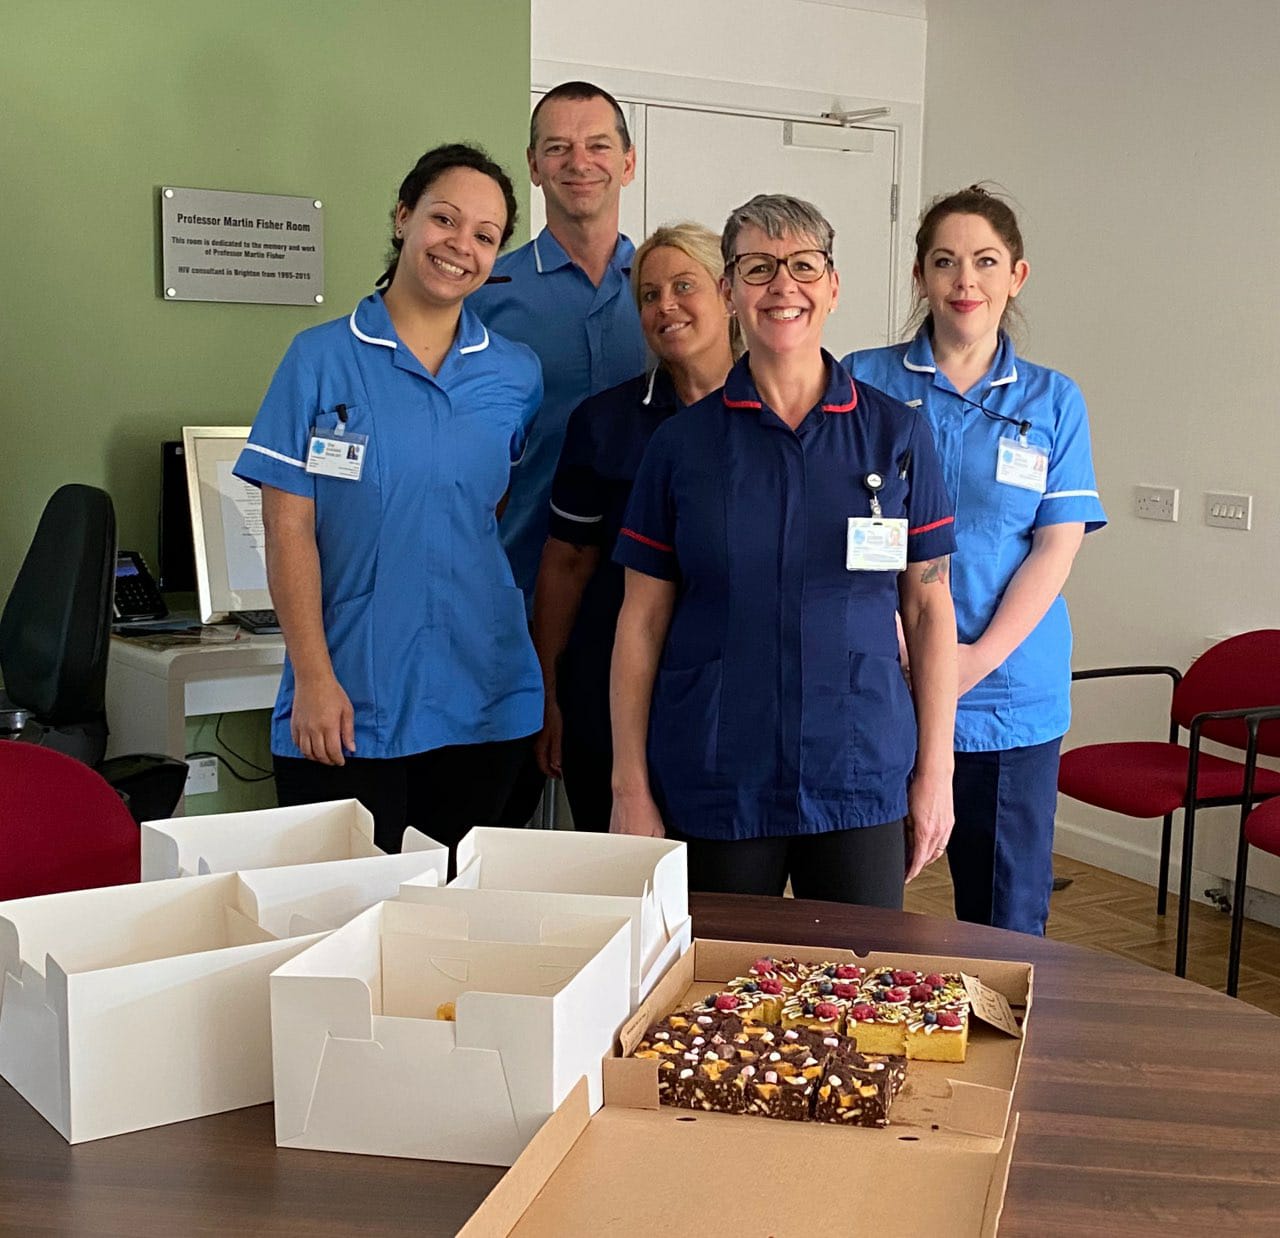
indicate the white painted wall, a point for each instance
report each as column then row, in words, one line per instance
column 1142, row 142
column 812, row 45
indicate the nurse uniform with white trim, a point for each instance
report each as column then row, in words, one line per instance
column 425, row 626
column 1016, row 457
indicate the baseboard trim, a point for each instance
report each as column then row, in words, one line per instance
column 1142, row 863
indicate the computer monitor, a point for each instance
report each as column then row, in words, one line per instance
column 226, row 523
column 176, row 557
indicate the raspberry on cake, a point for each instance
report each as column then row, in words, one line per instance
column 761, row 1000
column 814, row 1008
column 878, row 1027
column 938, row 1033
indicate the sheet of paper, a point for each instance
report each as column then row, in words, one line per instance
column 242, row 530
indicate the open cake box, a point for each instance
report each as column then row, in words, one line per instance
column 272, row 838
column 635, row 1168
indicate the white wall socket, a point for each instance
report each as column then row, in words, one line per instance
column 1228, row 511
column 1155, row 502
column 202, row 776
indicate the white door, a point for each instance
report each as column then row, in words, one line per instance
column 699, row 165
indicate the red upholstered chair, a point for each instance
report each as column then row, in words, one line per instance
column 1234, row 679
column 62, row 827
column 1259, row 827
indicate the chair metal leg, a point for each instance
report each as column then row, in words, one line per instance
column 1166, row 842
column 1184, row 888
column 1237, row 907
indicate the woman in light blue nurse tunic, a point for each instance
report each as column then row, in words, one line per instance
column 1013, row 439
column 383, row 449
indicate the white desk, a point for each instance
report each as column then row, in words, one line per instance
column 152, row 692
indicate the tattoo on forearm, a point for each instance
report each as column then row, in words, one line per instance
column 935, row 569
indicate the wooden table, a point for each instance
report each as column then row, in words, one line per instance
column 1149, row 1105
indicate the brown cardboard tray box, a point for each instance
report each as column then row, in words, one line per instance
column 639, row 1169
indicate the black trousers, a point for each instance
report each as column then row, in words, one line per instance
column 444, row 792
column 865, row 866
column 588, row 782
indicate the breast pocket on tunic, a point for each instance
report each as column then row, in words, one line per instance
column 684, row 719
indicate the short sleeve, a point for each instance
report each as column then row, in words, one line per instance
column 647, row 539
column 931, row 527
column 1071, row 489
column 276, row 452
column 532, row 378
column 578, row 492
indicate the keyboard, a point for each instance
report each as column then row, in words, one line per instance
column 259, row 622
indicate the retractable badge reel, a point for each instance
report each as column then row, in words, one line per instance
column 337, row 452
column 874, row 543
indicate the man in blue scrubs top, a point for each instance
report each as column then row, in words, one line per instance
column 565, row 294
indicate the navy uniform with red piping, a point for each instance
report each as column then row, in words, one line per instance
column 779, row 707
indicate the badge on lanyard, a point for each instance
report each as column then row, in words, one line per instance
column 875, row 543
column 335, row 453
column 1022, row 464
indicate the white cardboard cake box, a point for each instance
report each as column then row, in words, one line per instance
column 133, row 1006
column 363, row 1063
column 645, row 879
column 941, row 1166
column 269, row 838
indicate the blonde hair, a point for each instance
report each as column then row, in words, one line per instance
column 703, row 247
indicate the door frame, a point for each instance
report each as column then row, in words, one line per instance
column 905, row 121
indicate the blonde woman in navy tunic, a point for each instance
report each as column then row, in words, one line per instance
column 383, row 449
column 775, row 527
column 1013, row 439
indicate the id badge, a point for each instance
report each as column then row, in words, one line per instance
column 1022, row 464
column 336, row 455
column 876, row 544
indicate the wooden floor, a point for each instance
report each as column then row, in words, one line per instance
column 1108, row 912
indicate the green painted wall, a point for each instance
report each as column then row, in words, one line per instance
column 106, row 100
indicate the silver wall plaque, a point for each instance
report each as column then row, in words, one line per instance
column 225, row 246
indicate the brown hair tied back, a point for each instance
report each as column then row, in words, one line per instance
column 976, row 199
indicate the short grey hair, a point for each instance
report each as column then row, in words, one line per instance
column 777, row 215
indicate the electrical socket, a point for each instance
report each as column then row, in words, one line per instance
column 1156, row 502
column 1229, row 511
column 202, row 776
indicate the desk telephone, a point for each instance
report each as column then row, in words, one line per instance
column 136, row 594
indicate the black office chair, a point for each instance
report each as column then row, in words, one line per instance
column 54, row 635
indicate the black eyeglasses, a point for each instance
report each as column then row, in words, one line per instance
column 806, row 266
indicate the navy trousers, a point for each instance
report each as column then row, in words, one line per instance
column 1001, row 851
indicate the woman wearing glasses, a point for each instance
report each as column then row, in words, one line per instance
column 1014, row 443
column 775, row 528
